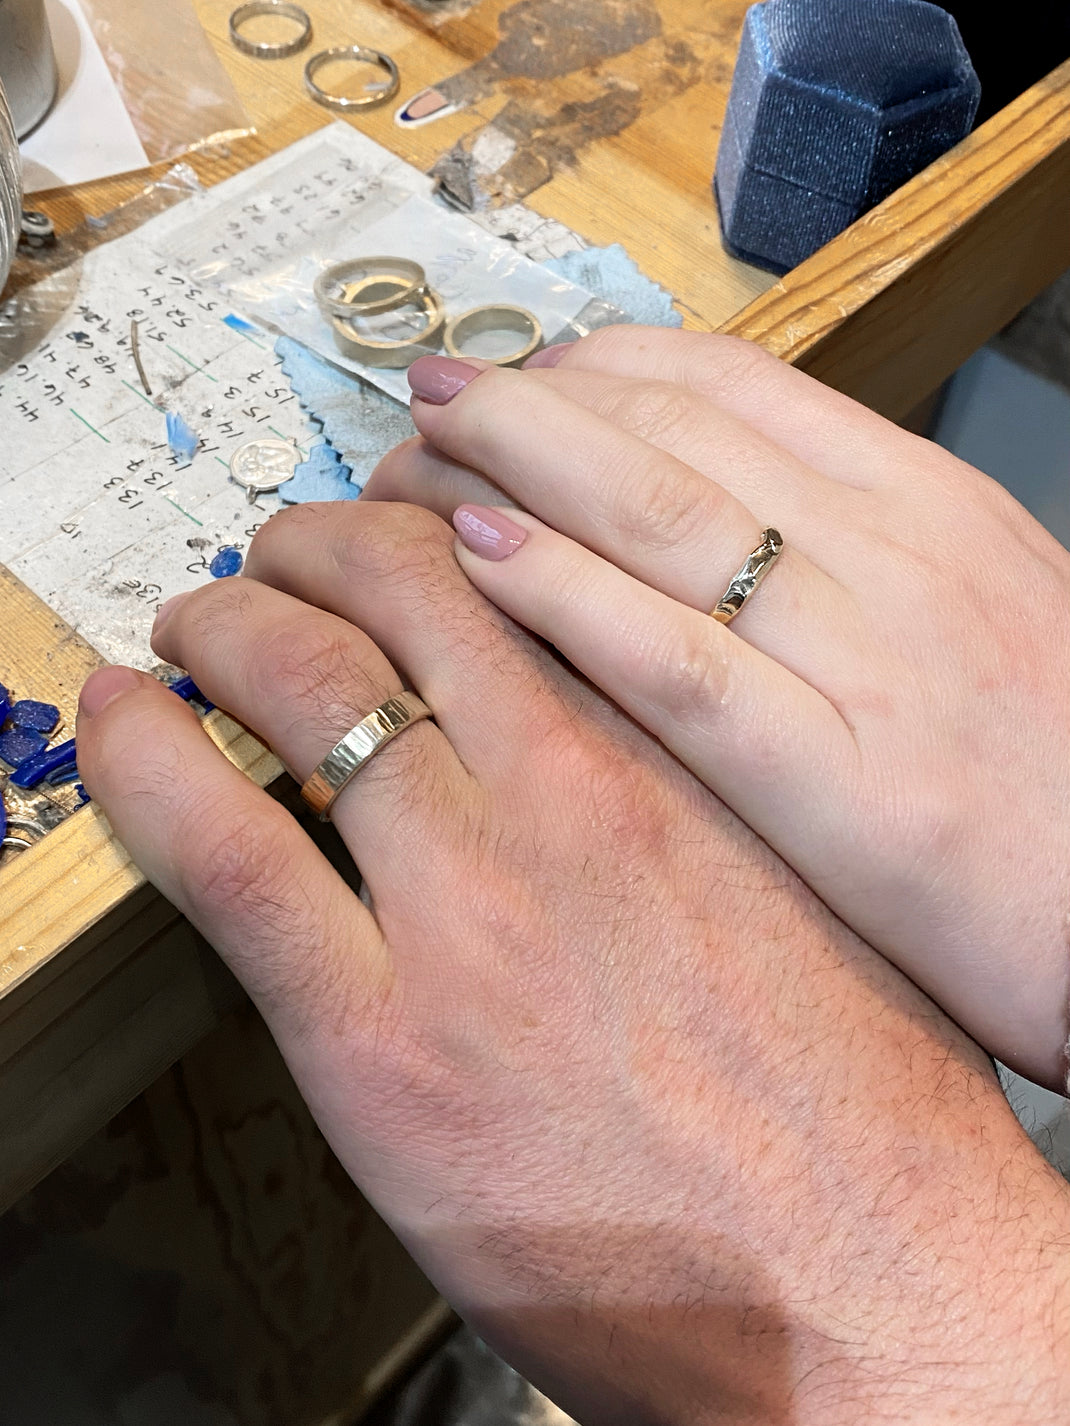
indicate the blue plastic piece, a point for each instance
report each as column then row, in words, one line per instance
column 36, row 766
column 834, row 103
column 34, row 717
column 181, row 436
column 83, row 796
column 188, row 691
column 18, row 744
column 227, row 562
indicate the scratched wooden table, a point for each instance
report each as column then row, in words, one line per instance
column 613, row 128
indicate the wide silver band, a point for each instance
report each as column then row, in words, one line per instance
column 495, row 317
column 347, row 757
column 270, row 49
column 338, row 288
column 747, row 579
column 363, row 55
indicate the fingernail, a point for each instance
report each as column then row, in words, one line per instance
column 101, row 687
column 549, row 356
column 488, row 532
column 166, row 609
column 438, row 379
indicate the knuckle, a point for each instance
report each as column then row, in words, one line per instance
column 663, row 507
column 655, row 411
column 734, row 364
column 392, row 541
column 690, row 674
column 314, row 666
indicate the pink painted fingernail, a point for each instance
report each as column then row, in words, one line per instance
column 549, row 356
column 488, row 532
column 106, row 684
column 438, row 379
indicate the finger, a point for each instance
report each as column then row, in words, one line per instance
column 820, row 426
column 228, row 855
column 415, row 473
column 391, row 570
column 648, row 512
column 765, row 742
column 302, row 678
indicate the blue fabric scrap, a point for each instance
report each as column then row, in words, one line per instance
column 181, row 437
column 36, row 765
column 33, row 716
column 227, row 562
column 18, row 744
column 360, row 422
column 611, row 274
column 321, row 477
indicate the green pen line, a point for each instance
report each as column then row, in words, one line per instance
column 193, row 364
column 222, row 462
column 86, row 423
column 184, row 512
column 141, row 394
column 288, row 439
column 247, row 337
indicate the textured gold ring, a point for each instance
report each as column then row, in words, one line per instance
column 495, row 317
column 347, row 757
column 748, row 577
column 359, row 344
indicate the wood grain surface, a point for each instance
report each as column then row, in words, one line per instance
column 885, row 312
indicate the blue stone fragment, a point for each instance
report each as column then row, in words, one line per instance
column 83, row 796
column 36, row 766
column 5, row 705
column 227, row 562
column 68, row 772
column 3, row 818
column 188, row 691
column 181, row 436
column 18, row 744
column 36, row 717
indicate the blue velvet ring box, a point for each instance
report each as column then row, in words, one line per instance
column 834, row 103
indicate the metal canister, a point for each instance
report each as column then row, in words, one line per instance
column 10, row 188
column 27, row 62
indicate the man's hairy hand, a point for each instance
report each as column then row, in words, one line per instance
column 676, row 1142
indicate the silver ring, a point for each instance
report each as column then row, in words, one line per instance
column 346, row 275
column 395, row 352
column 270, row 49
column 357, row 52
column 347, row 757
column 495, row 317
column 748, row 577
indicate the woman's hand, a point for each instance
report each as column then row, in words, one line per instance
column 674, row 1140
column 890, row 710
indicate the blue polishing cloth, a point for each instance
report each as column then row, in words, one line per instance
column 611, row 274
column 322, row 477
column 834, row 103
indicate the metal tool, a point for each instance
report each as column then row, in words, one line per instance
column 264, row 465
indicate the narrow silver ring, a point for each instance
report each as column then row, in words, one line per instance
column 357, row 52
column 494, row 317
column 748, row 577
column 348, row 756
column 270, row 49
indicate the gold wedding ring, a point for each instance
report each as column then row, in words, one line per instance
column 360, row 54
column 338, row 289
column 360, row 344
column 347, row 757
column 270, row 49
column 747, row 579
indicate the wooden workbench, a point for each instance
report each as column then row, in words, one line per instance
column 102, row 985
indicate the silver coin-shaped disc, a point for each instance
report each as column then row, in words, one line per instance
column 264, row 465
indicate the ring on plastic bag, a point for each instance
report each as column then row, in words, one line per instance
column 391, row 352
column 495, row 317
column 412, row 281
column 270, row 49
column 380, row 95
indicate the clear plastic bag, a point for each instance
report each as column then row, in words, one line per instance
column 175, row 89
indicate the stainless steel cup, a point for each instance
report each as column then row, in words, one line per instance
column 27, row 63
